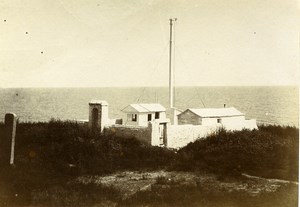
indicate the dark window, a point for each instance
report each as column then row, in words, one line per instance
column 134, row 117
column 149, row 117
column 156, row 115
column 219, row 121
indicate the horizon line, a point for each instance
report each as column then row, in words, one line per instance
column 181, row 86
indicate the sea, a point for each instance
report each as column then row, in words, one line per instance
column 267, row 104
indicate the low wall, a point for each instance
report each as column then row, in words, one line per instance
column 115, row 121
column 154, row 133
column 180, row 135
column 251, row 124
column 177, row 135
column 143, row 134
column 245, row 124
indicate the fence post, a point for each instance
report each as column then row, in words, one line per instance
column 10, row 136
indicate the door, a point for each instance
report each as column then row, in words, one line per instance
column 162, row 135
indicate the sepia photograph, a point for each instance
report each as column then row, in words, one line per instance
column 154, row 103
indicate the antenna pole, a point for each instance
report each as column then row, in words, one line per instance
column 171, row 81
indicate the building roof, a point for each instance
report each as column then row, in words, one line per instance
column 216, row 112
column 144, row 108
column 102, row 102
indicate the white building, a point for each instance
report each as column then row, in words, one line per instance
column 148, row 123
column 140, row 114
column 229, row 118
column 98, row 114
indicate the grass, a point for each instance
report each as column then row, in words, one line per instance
column 50, row 155
column 58, row 145
column 271, row 151
column 206, row 196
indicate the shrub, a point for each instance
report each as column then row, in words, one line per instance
column 49, row 155
column 267, row 152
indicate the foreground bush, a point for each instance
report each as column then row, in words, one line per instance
column 271, row 151
column 70, row 148
column 50, row 155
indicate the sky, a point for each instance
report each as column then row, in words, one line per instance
column 116, row 43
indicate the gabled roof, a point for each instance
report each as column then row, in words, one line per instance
column 216, row 112
column 141, row 107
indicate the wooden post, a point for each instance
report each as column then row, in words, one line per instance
column 10, row 135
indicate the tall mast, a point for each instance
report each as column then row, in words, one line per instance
column 171, row 81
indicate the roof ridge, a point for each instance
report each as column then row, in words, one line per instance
column 143, row 107
column 214, row 108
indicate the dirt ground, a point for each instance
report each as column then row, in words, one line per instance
column 128, row 182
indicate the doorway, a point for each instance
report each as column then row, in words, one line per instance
column 162, row 134
column 94, row 118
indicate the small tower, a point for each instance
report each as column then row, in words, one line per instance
column 98, row 115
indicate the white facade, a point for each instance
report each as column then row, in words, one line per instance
column 142, row 114
column 208, row 121
column 142, row 119
column 229, row 118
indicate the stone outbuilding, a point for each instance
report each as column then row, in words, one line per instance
column 229, row 118
column 142, row 113
column 98, row 114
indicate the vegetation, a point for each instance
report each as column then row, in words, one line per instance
column 271, row 151
column 208, row 196
column 49, row 156
column 70, row 148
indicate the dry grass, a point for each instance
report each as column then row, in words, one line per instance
column 51, row 156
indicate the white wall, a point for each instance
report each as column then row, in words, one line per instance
column 177, row 135
column 155, row 136
column 224, row 120
column 232, row 123
column 142, row 118
column 245, row 124
column 147, row 134
column 162, row 115
column 130, row 122
column 180, row 135
column 250, row 124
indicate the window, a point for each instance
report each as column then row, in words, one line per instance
column 133, row 117
column 149, row 117
column 156, row 115
column 219, row 121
